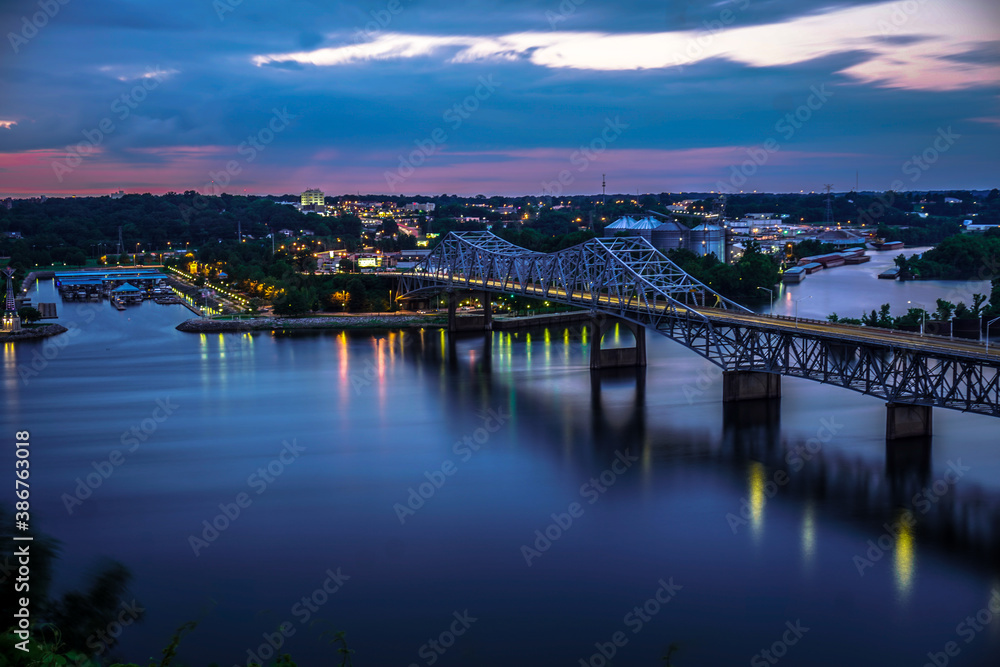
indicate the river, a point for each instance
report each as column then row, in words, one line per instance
column 485, row 501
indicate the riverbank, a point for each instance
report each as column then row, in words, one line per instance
column 33, row 333
column 371, row 321
column 384, row 321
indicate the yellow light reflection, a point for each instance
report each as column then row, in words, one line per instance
column 755, row 479
column 904, row 565
column 344, row 375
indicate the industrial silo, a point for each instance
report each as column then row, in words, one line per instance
column 670, row 235
column 623, row 224
column 708, row 239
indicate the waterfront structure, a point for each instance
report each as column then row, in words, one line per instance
column 11, row 320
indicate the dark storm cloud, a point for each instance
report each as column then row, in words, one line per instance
column 87, row 62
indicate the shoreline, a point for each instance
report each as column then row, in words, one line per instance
column 383, row 321
column 33, row 333
column 372, row 321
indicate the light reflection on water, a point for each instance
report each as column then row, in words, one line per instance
column 378, row 410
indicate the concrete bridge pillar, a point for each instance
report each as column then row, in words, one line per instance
column 903, row 420
column 452, row 299
column 749, row 386
column 487, row 311
column 616, row 357
column 482, row 322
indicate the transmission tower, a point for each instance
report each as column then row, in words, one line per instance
column 719, row 207
column 829, row 204
column 121, row 244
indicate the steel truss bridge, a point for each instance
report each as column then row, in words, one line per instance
column 627, row 278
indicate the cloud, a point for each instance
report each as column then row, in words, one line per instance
column 915, row 50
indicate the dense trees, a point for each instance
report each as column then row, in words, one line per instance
column 962, row 257
column 737, row 281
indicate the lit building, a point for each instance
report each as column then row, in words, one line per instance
column 313, row 198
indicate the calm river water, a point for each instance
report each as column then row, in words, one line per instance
column 486, row 502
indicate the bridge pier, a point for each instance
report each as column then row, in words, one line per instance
column 487, row 311
column 903, row 420
column 482, row 322
column 619, row 357
column 452, row 300
column 749, row 386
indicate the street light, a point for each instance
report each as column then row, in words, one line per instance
column 770, row 295
column 988, row 324
column 797, row 309
column 923, row 316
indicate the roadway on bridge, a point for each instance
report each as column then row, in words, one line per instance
column 841, row 332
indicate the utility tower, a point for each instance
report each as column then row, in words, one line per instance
column 121, row 244
column 604, row 191
column 719, row 207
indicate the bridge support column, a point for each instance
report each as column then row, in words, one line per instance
column 903, row 420
column 618, row 357
column 452, row 308
column 749, row 385
column 487, row 311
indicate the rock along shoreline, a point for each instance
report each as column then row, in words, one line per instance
column 33, row 333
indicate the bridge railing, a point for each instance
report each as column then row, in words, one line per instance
column 908, row 335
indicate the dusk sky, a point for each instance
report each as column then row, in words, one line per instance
column 430, row 97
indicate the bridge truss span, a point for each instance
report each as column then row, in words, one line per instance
column 628, row 278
